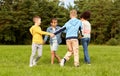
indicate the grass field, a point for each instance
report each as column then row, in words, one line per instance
column 14, row 61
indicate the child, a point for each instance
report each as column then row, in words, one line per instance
column 37, row 40
column 55, row 41
column 86, row 29
column 72, row 28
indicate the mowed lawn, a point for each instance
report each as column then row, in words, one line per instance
column 14, row 61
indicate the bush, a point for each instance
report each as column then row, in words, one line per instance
column 118, row 40
column 112, row 41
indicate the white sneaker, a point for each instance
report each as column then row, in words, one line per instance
column 30, row 65
column 34, row 62
column 62, row 63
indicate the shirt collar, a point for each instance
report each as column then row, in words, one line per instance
column 55, row 28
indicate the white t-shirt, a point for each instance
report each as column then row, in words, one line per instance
column 54, row 38
column 86, row 29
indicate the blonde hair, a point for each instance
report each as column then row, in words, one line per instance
column 73, row 13
column 36, row 17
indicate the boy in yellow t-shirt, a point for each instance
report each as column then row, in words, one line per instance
column 37, row 40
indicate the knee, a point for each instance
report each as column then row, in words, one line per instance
column 32, row 55
column 52, row 53
column 70, row 53
column 39, row 55
column 70, row 50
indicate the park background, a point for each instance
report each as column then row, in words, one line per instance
column 16, row 19
column 15, row 39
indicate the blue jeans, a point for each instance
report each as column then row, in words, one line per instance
column 85, row 42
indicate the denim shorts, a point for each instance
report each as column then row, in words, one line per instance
column 54, row 45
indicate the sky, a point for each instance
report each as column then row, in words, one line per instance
column 67, row 2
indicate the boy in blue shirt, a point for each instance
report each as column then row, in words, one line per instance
column 72, row 28
column 55, row 41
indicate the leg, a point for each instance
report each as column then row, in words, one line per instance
column 52, row 57
column 52, row 53
column 34, row 49
column 55, row 45
column 68, row 54
column 88, row 58
column 75, row 46
column 39, row 52
column 58, row 58
column 85, row 49
column 70, row 50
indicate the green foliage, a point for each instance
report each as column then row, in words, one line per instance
column 104, row 18
column 118, row 40
column 16, row 18
column 112, row 41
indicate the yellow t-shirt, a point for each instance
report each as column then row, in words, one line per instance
column 37, row 34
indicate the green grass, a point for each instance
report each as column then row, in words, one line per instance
column 14, row 61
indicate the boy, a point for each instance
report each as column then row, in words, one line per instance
column 72, row 28
column 37, row 40
column 86, row 30
column 55, row 41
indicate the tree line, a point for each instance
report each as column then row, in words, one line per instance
column 16, row 19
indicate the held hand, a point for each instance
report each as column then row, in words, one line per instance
column 44, row 42
column 52, row 35
column 79, row 37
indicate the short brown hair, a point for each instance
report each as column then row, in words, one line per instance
column 35, row 18
column 73, row 12
column 53, row 20
column 86, row 15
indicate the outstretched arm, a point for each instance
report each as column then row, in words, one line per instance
column 60, row 30
column 46, row 36
column 80, row 29
column 41, row 32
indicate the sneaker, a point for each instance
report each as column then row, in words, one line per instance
column 34, row 62
column 62, row 63
column 89, row 64
column 30, row 65
column 77, row 65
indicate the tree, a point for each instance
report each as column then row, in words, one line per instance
column 101, row 18
column 16, row 18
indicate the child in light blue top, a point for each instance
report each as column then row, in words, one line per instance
column 71, row 27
